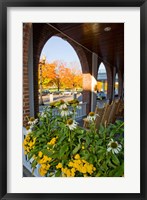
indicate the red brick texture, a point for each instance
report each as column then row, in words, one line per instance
column 26, row 39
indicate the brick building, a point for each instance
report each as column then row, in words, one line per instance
column 92, row 48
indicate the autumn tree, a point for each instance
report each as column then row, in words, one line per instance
column 59, row 75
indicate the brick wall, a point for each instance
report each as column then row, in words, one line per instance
column 26, row 40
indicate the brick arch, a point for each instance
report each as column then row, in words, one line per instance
column 41, row 34
column 120, row 82
column 109, row 78
column 80, row 53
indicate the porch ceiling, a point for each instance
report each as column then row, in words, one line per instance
column 109, row 45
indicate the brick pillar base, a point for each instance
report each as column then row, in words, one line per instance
column 87, row 81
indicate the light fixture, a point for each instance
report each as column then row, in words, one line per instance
column 108, row 28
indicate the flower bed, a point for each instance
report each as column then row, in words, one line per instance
column 61, row 148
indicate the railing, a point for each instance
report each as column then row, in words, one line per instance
column 26, row 162
column 81, row 112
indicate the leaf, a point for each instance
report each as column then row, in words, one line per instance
column 88, row 141
column 31, row 153
column 47, row 152
column 61, row 139
column 84, row 154
column 63, row 150
column 34, row 163
column 111, row 164
column 99, row 142
column 118, row 171
column 58, row 173
column 98, row 174
column 41, row 139
column 115, row 160
column 76, row 149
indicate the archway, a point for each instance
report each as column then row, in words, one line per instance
column 41, row 34
column 60, row 73
column 102, row 82
column 116, row 85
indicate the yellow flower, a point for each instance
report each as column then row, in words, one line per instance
column 34, row 140
column 40, row 154
column 27, row 138
column 42, row 171
column 72, row 174
column 83, row 170
column 28, row 149
column 94, row 169
column 77, row 156
column 83, row 147
column 84, row 161
column 63, row 175
column 25, row 142
column 59, row 166
column 31, row 144
column 52, row 141
column 70, row 164
column 68, row 173
column 49, row 159
column 85, row 175
column 73, row 170
column 45, row 166
column 78, row 161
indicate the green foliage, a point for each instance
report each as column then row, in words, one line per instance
column 56, row 143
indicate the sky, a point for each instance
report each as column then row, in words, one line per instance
column 58, row 49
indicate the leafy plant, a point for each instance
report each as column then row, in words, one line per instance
column 60, row 147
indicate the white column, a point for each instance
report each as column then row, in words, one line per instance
column 31, row 78
column 94, row 80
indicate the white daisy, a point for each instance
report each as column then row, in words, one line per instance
column 28, row 130
column 79, row 107
column 63, row 106
column 32, row 122
column 65, row 112
column 92, row 116
column 72, row 124
column 43, row 115
column 114, row 147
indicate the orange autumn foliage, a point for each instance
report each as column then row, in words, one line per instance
column 56, row 74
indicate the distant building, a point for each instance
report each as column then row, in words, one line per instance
column 102, row 80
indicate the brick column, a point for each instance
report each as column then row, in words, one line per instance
column 26, row 40
column 113, row 79
column 120, row 82
column 94, row 81
column 87, row 80
column 109, row 81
